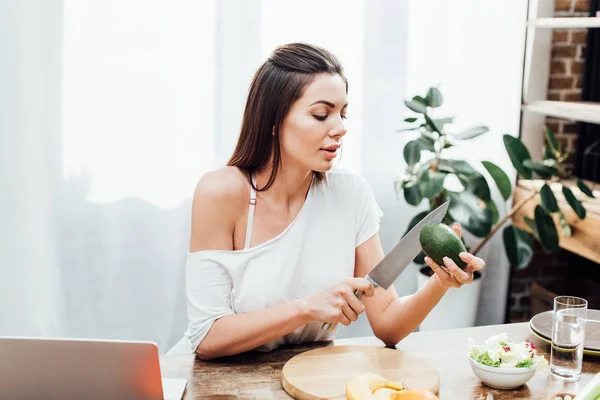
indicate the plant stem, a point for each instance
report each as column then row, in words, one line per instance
column 516, row 208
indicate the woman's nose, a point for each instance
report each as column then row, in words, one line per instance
column 339, row 129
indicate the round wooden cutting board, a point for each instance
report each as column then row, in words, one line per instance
column 324, row 372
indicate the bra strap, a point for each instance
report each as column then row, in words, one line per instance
column 250, row 212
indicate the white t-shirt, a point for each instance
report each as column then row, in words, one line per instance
column 314, row 252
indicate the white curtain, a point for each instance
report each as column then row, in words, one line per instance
column 112, row 110
column 30, row 82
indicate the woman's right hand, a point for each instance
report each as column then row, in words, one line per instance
column 338, row 303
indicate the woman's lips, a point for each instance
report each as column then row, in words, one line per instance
column 329, row 154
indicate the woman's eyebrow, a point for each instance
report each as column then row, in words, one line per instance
column 327, row 103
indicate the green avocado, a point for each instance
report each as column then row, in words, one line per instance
column 439, row 241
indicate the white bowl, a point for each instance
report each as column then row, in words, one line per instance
column 502, row 378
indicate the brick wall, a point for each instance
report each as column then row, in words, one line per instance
column 563, row 273
column 566, row 73
column 545, row 269
column 566, row 68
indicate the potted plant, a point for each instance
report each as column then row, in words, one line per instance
column 433, row 177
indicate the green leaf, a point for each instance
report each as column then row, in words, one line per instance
column 525, row 363
column 410, row 120
column 548, row 199
column 412, row 194
column 403, row 183
column 546, row 230
column 564, row 225
column 457, row 167
column 517, row 153
column 501, row 179
column 471, row 133
column 412, row 152
column 416, row 106
column 429, row 135
column 464, row 208
column 415, row 220
column 518, row 245
column 478, row 185
column 548, row 154
column 574, row 203
column 539, row 168
column 420, row 99
column 493, row 210
column 485, row 359
column 431, row 184
column 552, row 142
column 443, row 121
column 407, row 129
column 433, row 124
column 585, row 188
column 471, row 179
column 434, row 97
column 426, row 143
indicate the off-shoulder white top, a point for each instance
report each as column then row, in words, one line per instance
column 314, row 252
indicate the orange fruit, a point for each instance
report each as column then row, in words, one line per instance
column 413, row 394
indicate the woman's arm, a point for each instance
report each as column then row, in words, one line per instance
column 237, row 333
column 393, row 317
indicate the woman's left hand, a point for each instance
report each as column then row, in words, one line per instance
column 452, row 275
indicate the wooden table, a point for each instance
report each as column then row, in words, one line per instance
column 255, row 375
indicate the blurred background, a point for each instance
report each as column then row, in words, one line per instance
column 111, row 110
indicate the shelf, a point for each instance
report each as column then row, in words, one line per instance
column 576, row 111
column 565, row 23
column 584, row 233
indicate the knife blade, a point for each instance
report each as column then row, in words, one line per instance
column 396, row 261
column 399, row 258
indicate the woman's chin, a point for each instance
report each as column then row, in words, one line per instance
column 323, row 166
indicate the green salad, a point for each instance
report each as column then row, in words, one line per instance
column 499, row 351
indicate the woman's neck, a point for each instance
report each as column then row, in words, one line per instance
column 290, row 184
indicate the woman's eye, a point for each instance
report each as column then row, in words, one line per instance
column 320, row 117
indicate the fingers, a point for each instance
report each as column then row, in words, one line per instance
column 353, row 301
column 469, row 271
column 446, row 277
column 349, row 313
column 345, row 303
column 341, row 317
column 475, row 262
column 456, row 228
column 435, row 267
column 451, row 273
column 458, row 273
column 361, row 284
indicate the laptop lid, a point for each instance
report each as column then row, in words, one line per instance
column 35, row 368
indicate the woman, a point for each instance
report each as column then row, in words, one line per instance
column 279, row 240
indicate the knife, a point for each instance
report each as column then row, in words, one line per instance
column 396, row 261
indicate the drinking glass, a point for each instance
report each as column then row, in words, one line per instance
column 568, row 334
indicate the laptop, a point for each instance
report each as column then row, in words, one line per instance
column 42, row 368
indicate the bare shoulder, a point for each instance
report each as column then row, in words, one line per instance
column 224, row 184
column 219, row 199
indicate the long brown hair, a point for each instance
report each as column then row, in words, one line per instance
column 277, row 84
